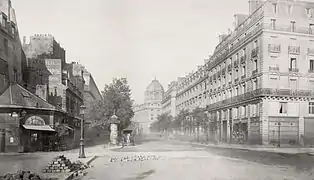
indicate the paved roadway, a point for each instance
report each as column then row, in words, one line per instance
column 186, row 162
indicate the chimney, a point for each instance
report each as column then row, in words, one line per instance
column 253, row 5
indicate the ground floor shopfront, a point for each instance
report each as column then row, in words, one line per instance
column 263, row 120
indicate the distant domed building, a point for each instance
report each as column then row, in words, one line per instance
column 145, row 114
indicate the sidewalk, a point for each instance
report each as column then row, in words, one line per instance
column 265, row 148
column 11, row 162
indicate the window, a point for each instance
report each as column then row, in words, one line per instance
column 292, row 26
column 311, row 107
column 243, row 70
column 15, row 76
column 4, row 20
column 290, row 9
column 236, row 74
column 293, row 63
column 275, row 8
column 13, row 29
column 312, row 65
column 273, row 24
column 237, row 56
column 6, row 46
column 311, row 29
column 254, row 84
column 283, row 108
column 244, row 88
column 255, row 64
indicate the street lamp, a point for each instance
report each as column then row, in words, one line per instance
column 82, row 153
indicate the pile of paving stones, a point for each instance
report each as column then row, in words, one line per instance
column 61, row 164
column 134, row 158
column 23, row 175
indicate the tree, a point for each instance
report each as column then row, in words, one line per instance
column 180, row 120
column 199, row 117
column 116, row 99
column 163, row 123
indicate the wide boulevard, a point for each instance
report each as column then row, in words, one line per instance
column 171, row 160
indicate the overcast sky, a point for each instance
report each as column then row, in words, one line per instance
column 137, row 39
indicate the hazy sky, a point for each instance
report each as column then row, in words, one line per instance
column 137, row 39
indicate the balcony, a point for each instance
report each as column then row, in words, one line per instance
column 243, row 59
column 274, row 48
column 310, row 51
column 273, row 68
column 229, row 67
column 254, row 52
column 294, row 49
column 236, row 79
column 243, row 76
column 293, row 70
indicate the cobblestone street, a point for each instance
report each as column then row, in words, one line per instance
column 180, row 160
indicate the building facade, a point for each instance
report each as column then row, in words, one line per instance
column 168, row 103
column 257, row 86
column 20, row 110
column 145, row 114
column 91, row 95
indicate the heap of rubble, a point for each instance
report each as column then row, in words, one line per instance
column 134, row 158
column 61, row 164
column 25, row 175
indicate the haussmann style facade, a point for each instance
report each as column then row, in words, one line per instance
column 260, row 79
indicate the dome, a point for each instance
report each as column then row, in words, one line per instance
column 154, row 86
column 154, row 92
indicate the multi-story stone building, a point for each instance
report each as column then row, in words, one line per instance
column 258, row 83
column 145, row 114
column 21, row 112
column 169, row 101
column 91, row 95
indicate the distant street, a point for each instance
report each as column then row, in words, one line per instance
column 185, row 162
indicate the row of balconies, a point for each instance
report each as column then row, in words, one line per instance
column 288, row 28
column 241, row 29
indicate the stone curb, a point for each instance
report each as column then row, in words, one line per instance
column 71, row 176
column 260, row 149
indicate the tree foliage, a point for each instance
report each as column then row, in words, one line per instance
column 116, row 99
column 163, row 123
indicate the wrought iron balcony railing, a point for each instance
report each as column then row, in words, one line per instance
column 273, row 68
column 274, row 48
column 310, row 51
column 294, row 49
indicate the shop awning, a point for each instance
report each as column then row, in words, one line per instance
column 39, row 128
